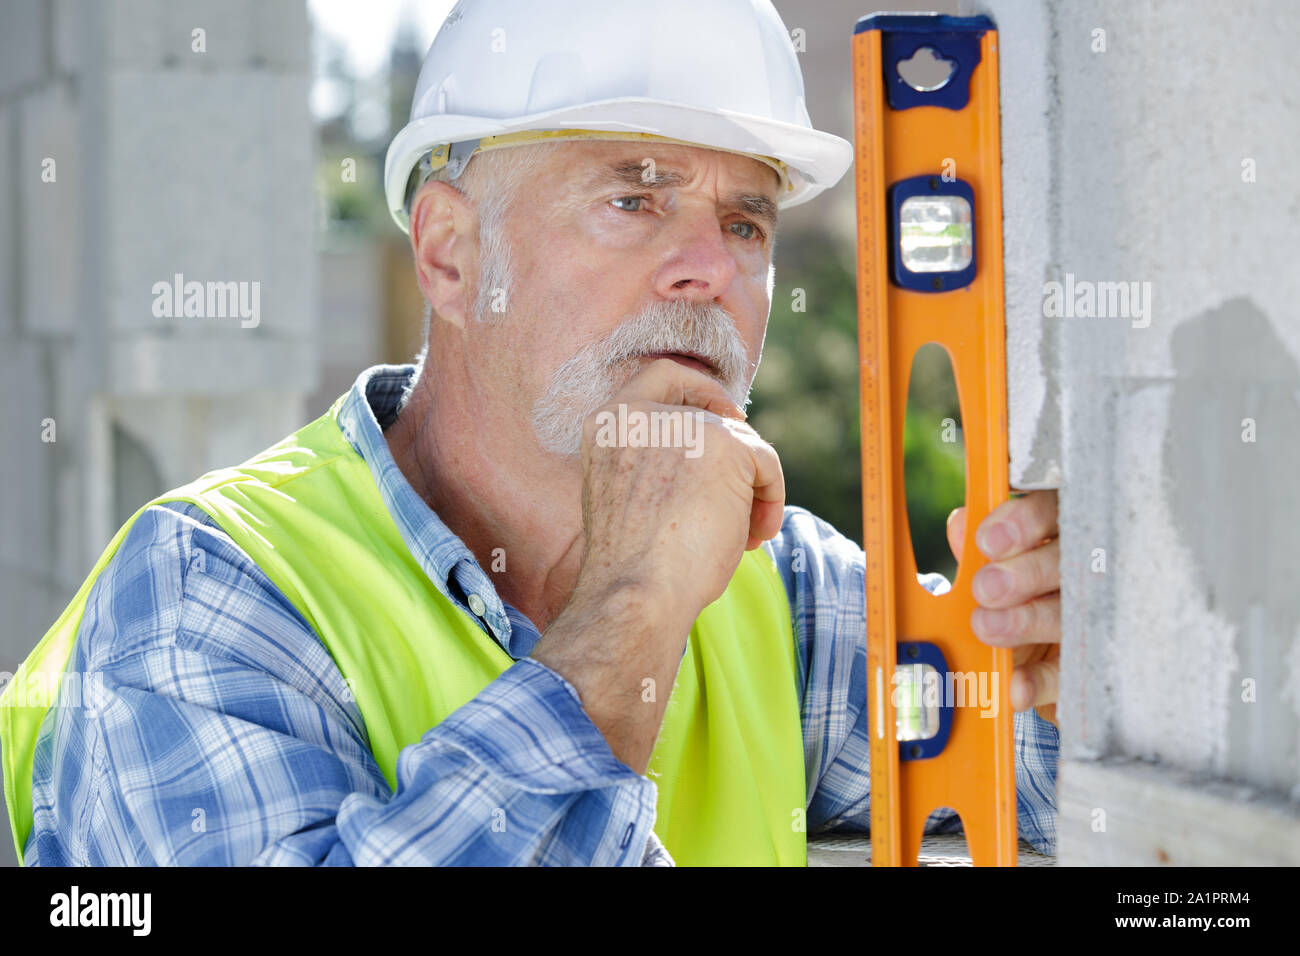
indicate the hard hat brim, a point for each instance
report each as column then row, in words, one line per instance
column 815, row 160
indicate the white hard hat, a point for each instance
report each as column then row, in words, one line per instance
column 716, row 73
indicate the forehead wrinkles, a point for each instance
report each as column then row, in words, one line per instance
column 748, row 185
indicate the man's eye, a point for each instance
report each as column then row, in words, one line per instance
column 635, row 199
column 753, row 230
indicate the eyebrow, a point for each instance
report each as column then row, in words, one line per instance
column 630, row 173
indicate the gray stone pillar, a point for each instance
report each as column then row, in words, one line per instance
column 141, row 140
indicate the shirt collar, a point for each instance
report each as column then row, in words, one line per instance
column 370, row 406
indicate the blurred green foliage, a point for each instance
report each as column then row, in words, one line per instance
column 806, row 404
column 352, row 194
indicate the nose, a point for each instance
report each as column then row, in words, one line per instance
column 701, row 267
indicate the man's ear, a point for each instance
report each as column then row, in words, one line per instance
column 444, row 245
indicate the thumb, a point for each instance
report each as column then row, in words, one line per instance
column 956, row 530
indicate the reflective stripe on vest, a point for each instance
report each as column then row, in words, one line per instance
column 728, row 763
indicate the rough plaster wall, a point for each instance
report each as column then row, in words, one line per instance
column 1144, row 181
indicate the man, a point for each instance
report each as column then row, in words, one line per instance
column 459, row 619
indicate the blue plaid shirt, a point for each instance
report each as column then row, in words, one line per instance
column 226, row 734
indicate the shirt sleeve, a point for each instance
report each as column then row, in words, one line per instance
column 824, row 574
column 217, row 730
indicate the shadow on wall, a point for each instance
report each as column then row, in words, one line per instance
column 1231, row 461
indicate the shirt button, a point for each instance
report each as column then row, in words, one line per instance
column 476, row 605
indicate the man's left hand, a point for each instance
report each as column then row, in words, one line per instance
column 1019, row 593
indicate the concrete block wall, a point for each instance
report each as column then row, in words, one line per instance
column 39, row 302
column 9, row 244
column 167, row 161
column 1150, row 144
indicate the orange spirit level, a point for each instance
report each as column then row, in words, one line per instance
column 930, row 270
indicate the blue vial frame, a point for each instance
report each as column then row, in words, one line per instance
column 923, row 652
column 904, row 277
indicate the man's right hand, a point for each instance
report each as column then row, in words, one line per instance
column 658, row 514
column 665, row 532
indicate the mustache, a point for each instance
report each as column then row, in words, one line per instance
column 693, row 328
